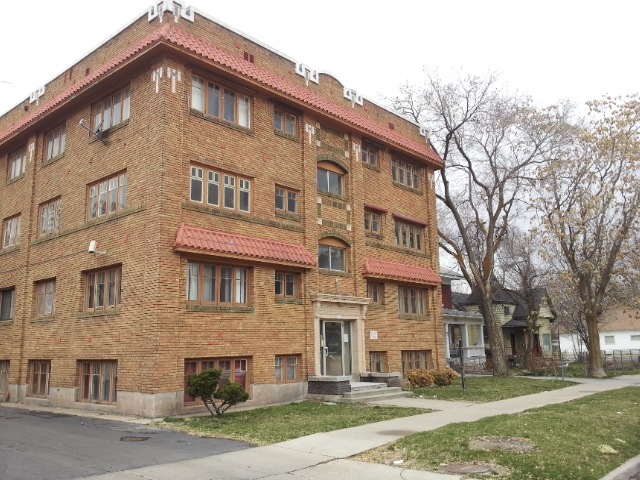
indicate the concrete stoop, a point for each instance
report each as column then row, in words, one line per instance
column 363, row 392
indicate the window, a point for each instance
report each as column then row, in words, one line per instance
column 506, row 309
column 11, row 232
column 286, row 200
column 17, row 163
column 108, row 196
column 103, row 289
column 285, row 122
column 635, row 338
column 372, row 223
column 546, row 342
column 112, row 110
column 375, row 291
column 408, row 235
column 415, row 359
column 332, row 255
column 220, row 102
column 609, row 340
column 4, row 377
column 405, row 174
column 217, row 284
column 55, row 141
column 233, row 370
column 45, row 297
column 286, row 369
column 378, row 362
column 6, row 303
column 330, row 181
column 369, row 155
column 39, row 371
column 232, row 198
column 411, row 301
column 98, row 381
column 286, row 285
column 49, row 217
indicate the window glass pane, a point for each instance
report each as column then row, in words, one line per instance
column 292, row 367
column 113, row 194
column 103, row 199
column 279, row 198
column 213, row 105
column 56, row 220
column 337, row 258
column 290, row 285
column 241, row 285
column 243, row 111
column 196, row 184
column 106, row 114
column 291, row 124
column 245, row 187
column 97, row 116
column 111, row 288
column 323, row 180
column 100, row 289
column 91, row 284
column 292, row 199
column 192, row 280
column 279, row 281
column 123, row 190
column 6, row 305
column 375, row 226
column 93, row 202
column 394, row 170
column 126, row 104
column 213, row 189
column 209, row 284
column 106, row 382
column 278, row 119
column 229, row 191
column 323, row 256
column 225, row 284
column 229, row 105
column 335, row 183
column 197, row 94
column 278, row 368
column 117, row 108
column 49, row 143
column 43, row 219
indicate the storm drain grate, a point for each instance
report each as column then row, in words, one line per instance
column 134, row 439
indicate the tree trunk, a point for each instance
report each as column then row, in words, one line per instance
column 528, row 346
column 494, row 330
column 595, row 357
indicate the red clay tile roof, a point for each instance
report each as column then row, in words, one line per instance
column 409, row 219
column 191, row 43
column 242, row 245
column 402, row 271
column 377, row 209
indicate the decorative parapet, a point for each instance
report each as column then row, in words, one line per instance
column 176, row 7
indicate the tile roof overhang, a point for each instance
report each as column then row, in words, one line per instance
column 409, row 219
column 192, row 45
column 213, row 242
column 377, row 209
column 399, row 271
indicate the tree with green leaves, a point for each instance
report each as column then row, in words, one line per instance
column 217, row 394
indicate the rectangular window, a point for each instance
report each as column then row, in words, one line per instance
column 220, row 102
column 233, row 370
column 113, row 110
column 17, row 163
column 408, row 235
column 234, row 284
column 45, row 297
column 49, row 217
column 609, row 340
column 378, row 362
column 286, row 200
column 103, row 290
column 331, row 258
column 411, row 301
column 39, row 371
column 285, row 121
column 286, row 284
column 108, row 196
column 375, row 292
column 405, row 173
column 98, row 381
column 6, row 303
column 506, row 309
column 11, row 229
column 415, row 359
column 4, row 377
column 635, row 338
column 372, row 223
column 546, row 342
column 286, row 369
column 55, row 141
column 370, row 155
column 329, row 181
column 236, row 190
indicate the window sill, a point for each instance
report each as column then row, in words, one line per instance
column 46, row 163
column 371, row 167
column 42, row 319
column 408, row 189
column 420, row 318
column 289, row 301
column 286, row 135
column 4, row 323
column 333, row 195
column 337, row 273
column 13, row 248
column 14, row 179
column 224, row 123
column 238, row 216
column 109, row 131
column 288, row 216
column 373, row 235
column 99, row 313
column 218, row 308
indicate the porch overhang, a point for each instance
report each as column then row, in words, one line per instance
column 403, row 272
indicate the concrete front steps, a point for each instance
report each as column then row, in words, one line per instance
column 363, row 392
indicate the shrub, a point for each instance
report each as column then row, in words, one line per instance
column 419, row 378
column 444, row 376
column 217, row 394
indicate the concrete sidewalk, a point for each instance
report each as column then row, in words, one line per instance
column 321, row 456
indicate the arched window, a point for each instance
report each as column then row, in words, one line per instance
column 332, row 254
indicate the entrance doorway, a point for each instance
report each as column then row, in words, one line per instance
column 335, row 346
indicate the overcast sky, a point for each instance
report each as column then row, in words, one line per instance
column 549, row 49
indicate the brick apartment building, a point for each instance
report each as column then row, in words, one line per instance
column 244, row 211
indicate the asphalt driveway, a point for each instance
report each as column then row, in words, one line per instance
column 39, row 445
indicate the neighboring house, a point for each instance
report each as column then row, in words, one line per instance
column 619, row 330
column 460, row 325
column 511, row 312
column 242, row 210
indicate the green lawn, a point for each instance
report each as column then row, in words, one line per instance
column 567, row 437
column 263, row 426
column 490, row 389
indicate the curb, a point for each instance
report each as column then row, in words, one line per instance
column 625, row 471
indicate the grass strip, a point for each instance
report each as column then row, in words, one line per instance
column 568, row 438
column 490, row 389
column 264, row 426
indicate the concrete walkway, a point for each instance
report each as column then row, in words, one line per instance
column 321, row 456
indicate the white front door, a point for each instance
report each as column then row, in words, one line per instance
column 336, row 348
